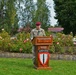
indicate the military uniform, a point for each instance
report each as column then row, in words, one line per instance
column 35, row 33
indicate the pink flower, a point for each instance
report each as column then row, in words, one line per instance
column 21, row 49
column 25, row 41
column 57, row 43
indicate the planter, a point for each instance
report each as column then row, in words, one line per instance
column 23, row 55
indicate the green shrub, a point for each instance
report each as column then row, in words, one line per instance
column 21, row 47
column 4, row 40
column 52, row 49
column 70, row 50
column 48, row 33
column 62, row 50
column 28, row 47
column 22, row 43
column 21, row 36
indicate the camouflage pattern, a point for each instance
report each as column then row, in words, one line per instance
column 36, row 32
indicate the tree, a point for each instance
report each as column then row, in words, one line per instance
column 42, row 14
column 11, row 16
column 2, row 15
column 25, row 11
column 29, row 12
column 8, row 16
column 66, row 15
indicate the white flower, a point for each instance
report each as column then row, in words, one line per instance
column 57, row 43
column 2, row 29
column 74, row 39
column 0, row 37
column 27, row 39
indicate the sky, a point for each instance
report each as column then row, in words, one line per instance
column 53, row 21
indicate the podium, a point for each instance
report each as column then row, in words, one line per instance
column 42, row 55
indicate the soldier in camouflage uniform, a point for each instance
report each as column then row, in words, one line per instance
column 38, row 31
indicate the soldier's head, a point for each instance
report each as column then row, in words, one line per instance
column 38, row 25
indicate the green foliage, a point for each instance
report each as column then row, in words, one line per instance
column 21, row 43
column 52, row 49
column 2, row 17
column 11, row 16
column 65, row 13
column 47, row 33
column 8, row 17
column 70, row 50
column 26, row 13
column 21, row 47
column 61, row 41
column 33, row 12
column 13, row 13
column 4, row 40
column 21, row 36
column 42, row 14
column 28, row 47
column 62, row 50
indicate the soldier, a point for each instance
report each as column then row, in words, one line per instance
column 38, row 31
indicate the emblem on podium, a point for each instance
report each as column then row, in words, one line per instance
column 43, row 58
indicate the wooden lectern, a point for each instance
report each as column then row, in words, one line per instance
column 42, row 54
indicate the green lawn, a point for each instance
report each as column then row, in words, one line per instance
column 18, row 66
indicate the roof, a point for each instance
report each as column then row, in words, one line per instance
column 56, row 29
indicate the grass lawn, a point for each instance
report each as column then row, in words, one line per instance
column 18, row 66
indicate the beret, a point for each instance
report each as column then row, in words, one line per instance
column 38, row 23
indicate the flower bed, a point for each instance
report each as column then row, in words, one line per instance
column 62, row 44
column 19, row 43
